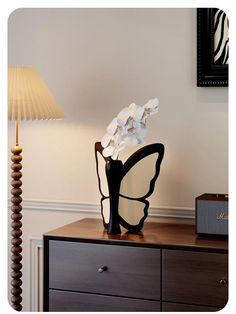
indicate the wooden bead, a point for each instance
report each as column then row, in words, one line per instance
column 16, row 217
column 16, row 250
column 16, row 303
column 16, row 208
column 16, row 241
column 16, row 233
column 16, row 291
column 16, row 158
column 16, row 298
column 16, row 167
column 17, row 307
column 16, row 282
column 16, row 266
column 16, row 224
column 16, row 199
column 16, row 183
column 16, row 175
column 16, row 150
column 16, row 191
column 16, row 274
column 16, row 258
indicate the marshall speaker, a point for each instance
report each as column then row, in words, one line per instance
column 212, row 214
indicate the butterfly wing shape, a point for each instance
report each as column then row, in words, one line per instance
column 136, row 185
column 139, row 176
column 102, row 183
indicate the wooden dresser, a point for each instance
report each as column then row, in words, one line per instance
column 166, row 267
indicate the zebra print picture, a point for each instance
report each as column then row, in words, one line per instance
column 221, row 37
column 212, row 47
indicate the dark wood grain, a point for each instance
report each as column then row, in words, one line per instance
column 162, row 235
column 192, row 268
column 179, row 307
column 130, row 271
column 61, row 301
column 195, row 277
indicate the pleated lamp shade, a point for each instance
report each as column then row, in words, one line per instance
column 28, row 96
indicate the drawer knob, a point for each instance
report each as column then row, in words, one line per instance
column 102, row 269
column 223, row 282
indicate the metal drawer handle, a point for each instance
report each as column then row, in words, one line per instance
column 102, row 269
column 223, row 282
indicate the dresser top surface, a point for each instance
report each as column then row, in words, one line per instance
column 152, row 234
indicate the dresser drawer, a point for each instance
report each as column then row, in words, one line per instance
column 131, row 271
column 179, row 307
column 62, row 301
column 195, row 277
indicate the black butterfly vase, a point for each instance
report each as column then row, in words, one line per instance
column 113, row 170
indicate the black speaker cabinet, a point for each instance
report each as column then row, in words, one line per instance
column 212, row 214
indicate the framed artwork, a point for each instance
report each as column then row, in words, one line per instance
column 212, row 47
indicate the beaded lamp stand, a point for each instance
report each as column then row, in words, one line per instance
column 28, row 99
column 16, row 225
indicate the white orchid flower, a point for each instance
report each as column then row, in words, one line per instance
column 136, row 112
column 112, row 127
column 128, row 128
column 106, row 140
column 108, row 151
column 123, row 116
column 113, row 149
column 151, row 106
column 136, row 134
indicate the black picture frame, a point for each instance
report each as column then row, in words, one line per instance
column 208, row 73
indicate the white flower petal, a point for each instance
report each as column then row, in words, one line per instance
column 118, row 137
column 123, row 116
column 151, row 106
column 106, row 140
column 141, row 135
column 138, row 125
column 132, row 109
column 108, row 151
column 121, row 146
column 129, row 128
column 139, row 113
column 132, row 106
column 136, row 112
column 123, row 134
column 112, row 127
column 152, row 103
column 129, row 125
column 115, row 154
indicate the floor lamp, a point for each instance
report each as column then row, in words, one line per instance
column 28, row 99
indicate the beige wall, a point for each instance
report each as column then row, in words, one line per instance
column 96, row 61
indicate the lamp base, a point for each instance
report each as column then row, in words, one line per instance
column 16, row 225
